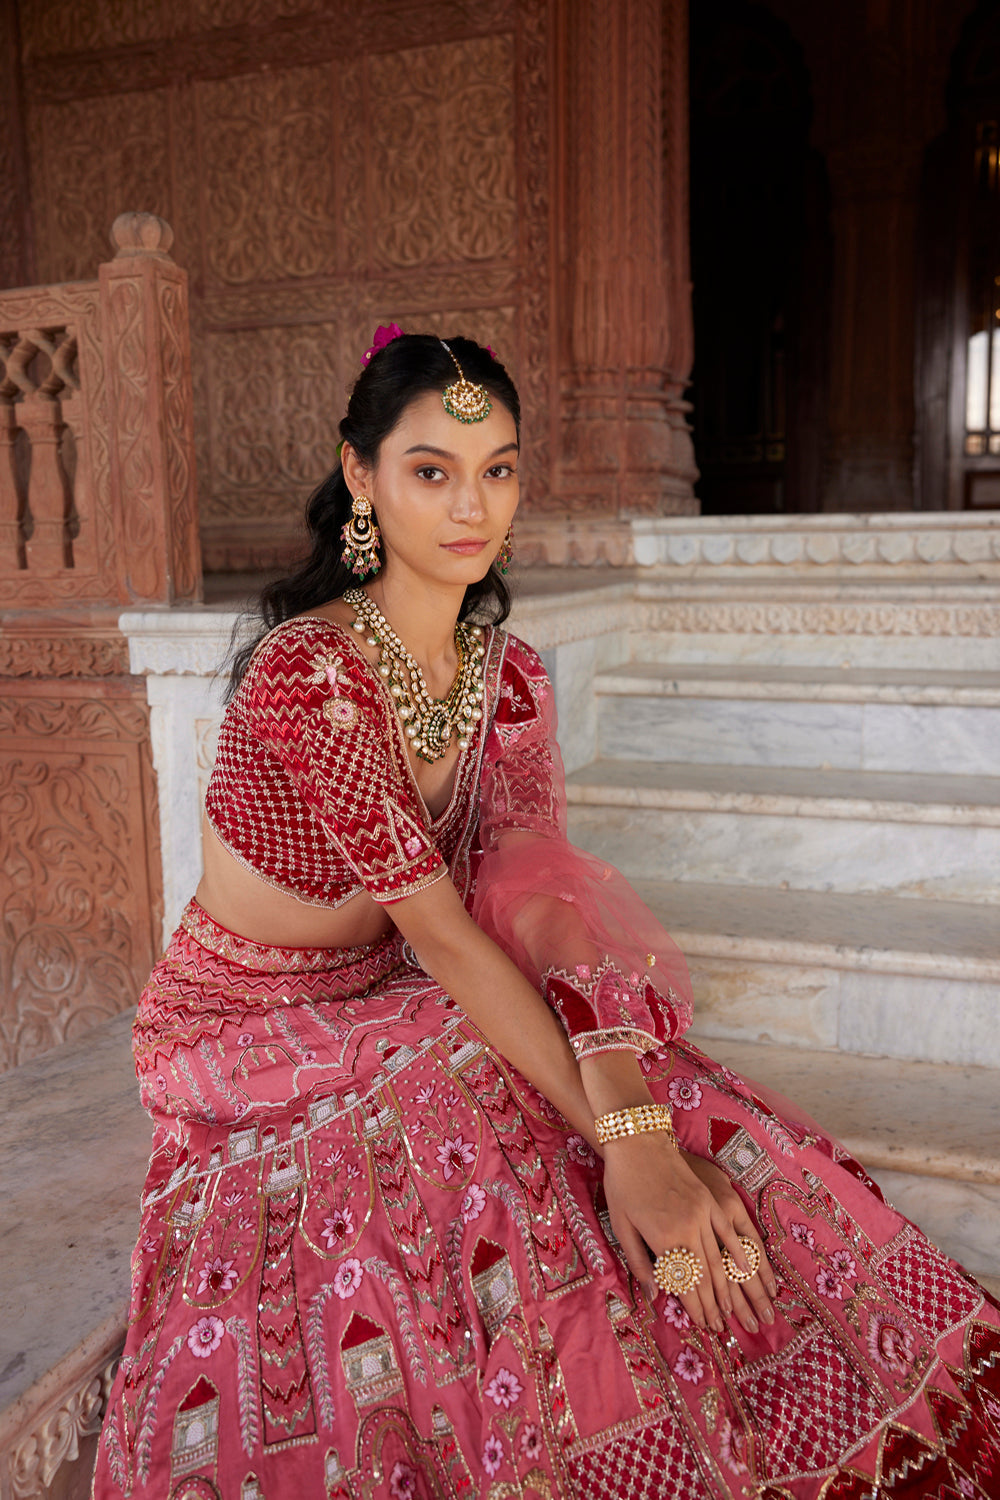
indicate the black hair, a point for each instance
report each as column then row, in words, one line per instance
column 395, row 375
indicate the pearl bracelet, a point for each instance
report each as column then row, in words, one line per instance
column 635, row 1121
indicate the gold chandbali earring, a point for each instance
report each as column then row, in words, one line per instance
column 361, row 539
column 428, row 723
column 464, row 400
column 506, row 552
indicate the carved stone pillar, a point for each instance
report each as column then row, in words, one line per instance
column 623, row 332
column 145, row 311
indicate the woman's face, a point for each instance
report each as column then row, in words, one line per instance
column 444, row 491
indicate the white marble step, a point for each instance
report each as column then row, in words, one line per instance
column 855, row 718
column 889, row 977
column 903, row 834
column 771, row 680
column 927, row 1133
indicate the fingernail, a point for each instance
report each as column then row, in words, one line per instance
column 651, row 1289
column 768, row 1315
column 718, row 1325
column 727, row 1308
column 751, row 1324
column 772, row 1288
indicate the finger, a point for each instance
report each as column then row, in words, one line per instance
column 708, row 1253
column 716, row 1278
column 633, row 1247
column 743, row 1311
column 746, row 1226
column 754, row 1289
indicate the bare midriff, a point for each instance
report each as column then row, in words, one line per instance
column 248, row 905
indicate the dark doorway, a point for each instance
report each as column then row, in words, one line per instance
column 760, row 249
column 958, row 355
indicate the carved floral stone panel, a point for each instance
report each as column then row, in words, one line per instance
column 440, row 145
column 268, row 175
column 90, row 159
column 79, row 848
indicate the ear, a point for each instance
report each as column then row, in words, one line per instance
column 357, row 474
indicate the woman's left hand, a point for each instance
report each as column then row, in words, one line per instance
column 751, row 1299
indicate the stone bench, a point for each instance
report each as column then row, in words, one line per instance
column 74, row 1147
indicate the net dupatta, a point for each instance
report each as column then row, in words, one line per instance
column 569, row 921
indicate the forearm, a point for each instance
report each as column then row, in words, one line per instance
column 511, row 1014
column 613, row 1081
column 515, row 1019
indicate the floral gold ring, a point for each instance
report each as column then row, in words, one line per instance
column 677, row 1271
column 752, row 1252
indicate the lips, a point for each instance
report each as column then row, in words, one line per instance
column 468, row 548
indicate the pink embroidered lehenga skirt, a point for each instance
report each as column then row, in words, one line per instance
column 373, row 1262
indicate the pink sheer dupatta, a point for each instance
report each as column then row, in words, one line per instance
column 571, row 923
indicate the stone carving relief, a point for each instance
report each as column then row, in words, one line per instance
column 275, row 398
column 266, row 140
column 55, row 1440
column 78, row 840
column 77, row 655
column 440, row 133
column 51, row 356
column 91, row 158
column 313, row 199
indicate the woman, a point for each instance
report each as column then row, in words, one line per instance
column 397, row 1028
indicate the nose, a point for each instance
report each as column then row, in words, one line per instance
column 467, row 502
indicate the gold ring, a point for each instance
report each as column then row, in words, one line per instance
column 677, row 1271
column 752, row 1252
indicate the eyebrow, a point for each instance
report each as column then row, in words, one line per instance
column 443, row 453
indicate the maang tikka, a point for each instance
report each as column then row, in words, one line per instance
column 463, row 399
column 361, row 538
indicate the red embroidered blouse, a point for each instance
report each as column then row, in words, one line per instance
column 312, row 788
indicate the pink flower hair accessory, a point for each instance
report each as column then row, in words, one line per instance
column 383, row 336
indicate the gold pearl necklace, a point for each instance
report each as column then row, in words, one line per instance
column 428, row 723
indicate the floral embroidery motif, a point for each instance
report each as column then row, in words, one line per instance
column 733, row 1447
column 890, row 1342
column 339, row 1227
column 689, row 1366
column 580, row 1150
column 473, row 1203
column 348, row 1278
column 455, row 1154
column 802, row 1235
column 492, row 1455
column 531, row 1442
column 205, row 1336
column 217, row 1276
column 828, row 1284
column 844, row 1264
column 684, row 1093
column 403, row 1481
column 505, row 1388
column 674, row 1314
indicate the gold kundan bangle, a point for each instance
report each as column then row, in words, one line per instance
column 635, row 1121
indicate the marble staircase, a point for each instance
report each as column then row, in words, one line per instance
column 814, row 813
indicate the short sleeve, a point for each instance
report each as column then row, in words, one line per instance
column 313, row 703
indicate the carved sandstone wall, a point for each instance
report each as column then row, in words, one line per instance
column 97, row 510
column 330, row 166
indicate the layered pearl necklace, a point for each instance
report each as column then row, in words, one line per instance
column 428, row 723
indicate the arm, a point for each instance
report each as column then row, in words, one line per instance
column 510, row 1013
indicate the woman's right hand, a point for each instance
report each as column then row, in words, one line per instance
column 656, row 1199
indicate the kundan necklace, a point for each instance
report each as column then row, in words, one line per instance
column 428, row 723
